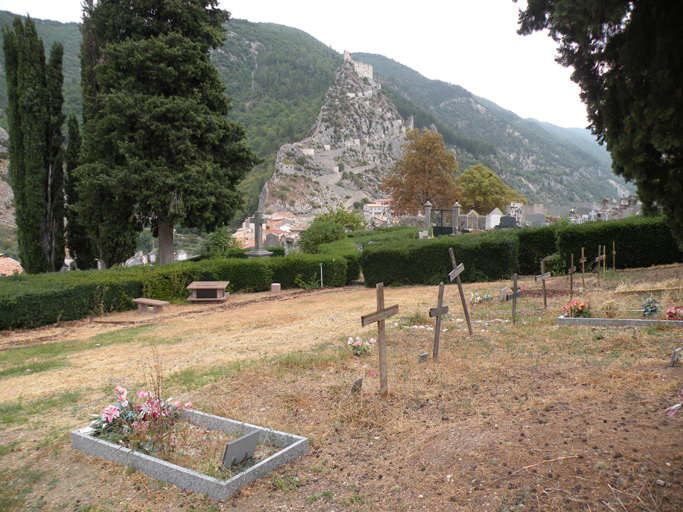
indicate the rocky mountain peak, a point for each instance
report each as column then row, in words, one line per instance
column 355, row 140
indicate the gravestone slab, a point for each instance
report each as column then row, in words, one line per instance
column 240, row 449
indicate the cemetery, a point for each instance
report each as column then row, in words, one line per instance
column 458, row 405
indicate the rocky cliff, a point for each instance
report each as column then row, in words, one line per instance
column 356, row 139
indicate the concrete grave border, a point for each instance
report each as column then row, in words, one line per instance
column 617, row 322
column 293, row 446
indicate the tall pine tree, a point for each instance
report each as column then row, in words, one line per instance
column 157, row 143
column 35, row 118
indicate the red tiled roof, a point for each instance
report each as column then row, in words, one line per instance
column 8, row 266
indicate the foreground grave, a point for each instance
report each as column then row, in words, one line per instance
column 293, row 446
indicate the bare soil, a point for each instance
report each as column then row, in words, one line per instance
column 518, row 416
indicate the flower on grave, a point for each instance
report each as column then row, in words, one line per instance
column 651, row 307
column 110, row 412
column 137, row 426
column 674, row 313
column 576, row 309
column 673, row 409
column 360, row 347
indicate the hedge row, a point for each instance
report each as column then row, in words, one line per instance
column 32, row 301
column 488, row 256
column 639, row 242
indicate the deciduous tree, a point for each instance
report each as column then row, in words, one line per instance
column 158, row 146
column 34, row 90
column 627, row 57
column 480, row 189
column 425, row 173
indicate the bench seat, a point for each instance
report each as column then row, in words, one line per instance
column 144, row 304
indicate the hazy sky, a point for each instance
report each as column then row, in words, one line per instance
column 471, row 43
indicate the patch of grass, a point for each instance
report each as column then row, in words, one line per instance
column 15, row 487
column 29, row 368
column 55, row 350
column 7, row 448
column 307, row 361
column 16, row 412
column 194, row 378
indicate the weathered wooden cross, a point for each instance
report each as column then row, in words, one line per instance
column 571, row 271
column 614, row 256
column 601, row 257
column 438, row 312
column 380, row 317
column 542, row 277
column 455, row 274
column 516, row 294
column 583, row 269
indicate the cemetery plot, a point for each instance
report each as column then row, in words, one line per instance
column 535, row 417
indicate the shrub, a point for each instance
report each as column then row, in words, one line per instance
column 320, row 232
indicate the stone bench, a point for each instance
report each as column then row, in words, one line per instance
column 144, row 303
column 208, row 291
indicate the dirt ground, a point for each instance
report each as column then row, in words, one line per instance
column 523, row 416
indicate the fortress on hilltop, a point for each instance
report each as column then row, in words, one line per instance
column 363, row 70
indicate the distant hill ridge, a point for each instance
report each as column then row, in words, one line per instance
column 278, row 78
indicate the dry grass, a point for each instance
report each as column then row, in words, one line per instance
column 530, row 416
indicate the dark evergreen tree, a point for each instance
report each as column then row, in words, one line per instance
column 157, row 145
column 34, row 91
column 78, row 240
column 627, row 57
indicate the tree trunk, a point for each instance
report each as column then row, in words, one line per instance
column 165, row 228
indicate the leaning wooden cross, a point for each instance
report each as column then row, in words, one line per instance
column 516, row 294
column 542, row 277
column 438, row 312
column 380, row 317
column 571, row 271
column 601, row 257
column 583, row 269
column 455, row 274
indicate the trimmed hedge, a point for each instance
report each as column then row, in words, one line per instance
column 534, row 245
column 35, row 300
column 486, row 257
column 640, row 242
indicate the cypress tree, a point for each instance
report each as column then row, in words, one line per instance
column 158, row 146
column 77, row 239
column 34, row 121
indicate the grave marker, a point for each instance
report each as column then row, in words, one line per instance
column 674, row 358
column 357, row 385
column 423, row 357
column 614, row 256
column 571, row 271
column 258, row 251
column 438, row 312
column 380, row 317
column 240, row 449
column 542, row 277
column 516, row 294
column 455, row 274
column 598, row 260
column 583, row 269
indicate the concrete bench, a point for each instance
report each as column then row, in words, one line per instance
column 208, row 291
column 143, row 305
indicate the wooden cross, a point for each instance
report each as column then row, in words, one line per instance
column 571, row 271
column 598, row 260
column 455, row 274
column 614, row 256
column 438, row 312
column 516, row 294
column 380, row 317
column 542, row 277
column 583, row 268
column 604, row 263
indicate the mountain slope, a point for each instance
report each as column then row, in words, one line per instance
column 544, row 162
